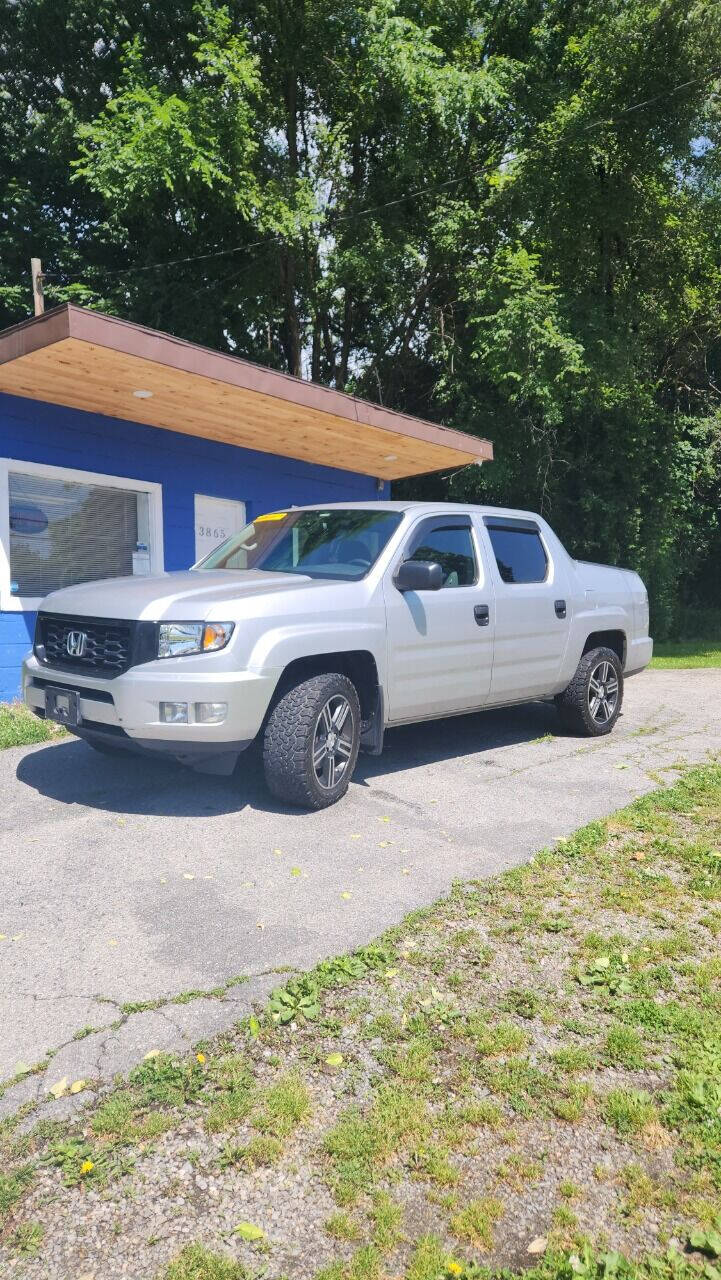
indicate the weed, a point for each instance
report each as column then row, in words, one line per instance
column 522, row 1002
column 570, row 1103
column 427, row 1260
column 141, row 1006
column 342, row 1227
column 573, row 1058
column 501, row 1039
column 360, row 1143
column 259, row 1152
column 483, row 1113
column 120, row 1117
column 521, row 1083
column 517, row 1171
column 642, row 1191
column 475, row 1223
column 568, row 1190
column 27, row 1239
column 386, row 1217
column 20, row 727
column 12, row 1186
column 563, row 1218
column 625, row 1047
column 432, row 1162
column 286, row 1105
column 296, row 1002
column 198, row 1263
column 629, row 1111
column 234, row 1093
column 412, row 1063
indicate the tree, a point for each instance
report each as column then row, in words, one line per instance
column 505, row 217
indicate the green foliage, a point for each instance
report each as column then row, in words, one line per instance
column 12, row 1185
column 475, row 1223
column 286, row 1104
column 629, row 1111
column 707, row 1240
column 19, row 727
column 448, row 208
column 360, row 1143
column 298, row 1001
column 195, row 1262
column 625, row 1048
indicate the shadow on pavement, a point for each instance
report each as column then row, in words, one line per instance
column 72, row 773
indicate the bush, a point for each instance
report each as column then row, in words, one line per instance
column 21, row 728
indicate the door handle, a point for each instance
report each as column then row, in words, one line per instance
column 481, row 614
column 560, row 607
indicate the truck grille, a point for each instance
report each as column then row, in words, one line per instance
column 107, row 647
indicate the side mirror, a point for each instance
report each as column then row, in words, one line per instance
column 418, row 575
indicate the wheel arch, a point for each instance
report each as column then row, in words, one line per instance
column 359, row 665
column 611, row 639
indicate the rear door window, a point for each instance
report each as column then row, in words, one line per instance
column 450, row 546
column 519, row 551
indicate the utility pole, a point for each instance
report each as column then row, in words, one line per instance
column 36, row 271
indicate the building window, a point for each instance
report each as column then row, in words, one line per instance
column 68, row 527
column 520, row 554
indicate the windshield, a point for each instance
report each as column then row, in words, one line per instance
column 341, row 544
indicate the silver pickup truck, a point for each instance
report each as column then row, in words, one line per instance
column 316, row 628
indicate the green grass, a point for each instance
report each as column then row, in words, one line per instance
column 686, row 653
column 198, row 1263
column 359, row 1143
column 12, row 1186
column 342, row 1227
column 285, row 1106
column 19, row 727
column 629, row 1111
column 474, row 1224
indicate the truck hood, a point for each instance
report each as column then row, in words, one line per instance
column 185, row 596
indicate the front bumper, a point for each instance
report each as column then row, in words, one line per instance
column 126, row 708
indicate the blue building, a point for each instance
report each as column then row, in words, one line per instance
column 126, row 451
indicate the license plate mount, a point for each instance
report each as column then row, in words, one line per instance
column 62, row 706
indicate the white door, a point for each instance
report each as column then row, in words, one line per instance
column 440, row 643
column 215, row 520
column 533, row 610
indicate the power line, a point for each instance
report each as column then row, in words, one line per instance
column 648, row 102
column 421, row 193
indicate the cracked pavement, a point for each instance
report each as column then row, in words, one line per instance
column 124, row 881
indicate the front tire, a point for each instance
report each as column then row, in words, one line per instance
column 591, row 704
column 311, row 741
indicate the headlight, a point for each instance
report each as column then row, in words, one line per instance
column 176, row 639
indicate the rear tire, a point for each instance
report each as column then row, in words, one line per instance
column 591, row 704
column 311, row 741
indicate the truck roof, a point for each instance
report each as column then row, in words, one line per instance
column 430, row 508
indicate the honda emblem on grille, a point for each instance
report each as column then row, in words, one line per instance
column 76, row 643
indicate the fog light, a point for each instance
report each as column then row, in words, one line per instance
column 211, row 712
column 174, row 712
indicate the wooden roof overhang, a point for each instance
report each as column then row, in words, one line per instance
column 86, row 360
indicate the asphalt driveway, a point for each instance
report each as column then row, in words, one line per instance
column 127, row 881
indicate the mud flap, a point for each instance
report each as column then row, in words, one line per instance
column 372, row 730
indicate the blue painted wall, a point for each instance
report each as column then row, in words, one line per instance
column 31, row 431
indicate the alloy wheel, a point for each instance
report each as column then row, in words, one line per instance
column 333, row 741
column 603, row 692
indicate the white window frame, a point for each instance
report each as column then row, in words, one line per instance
column 26, row 604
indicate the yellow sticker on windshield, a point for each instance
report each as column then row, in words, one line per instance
column 273, row 515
